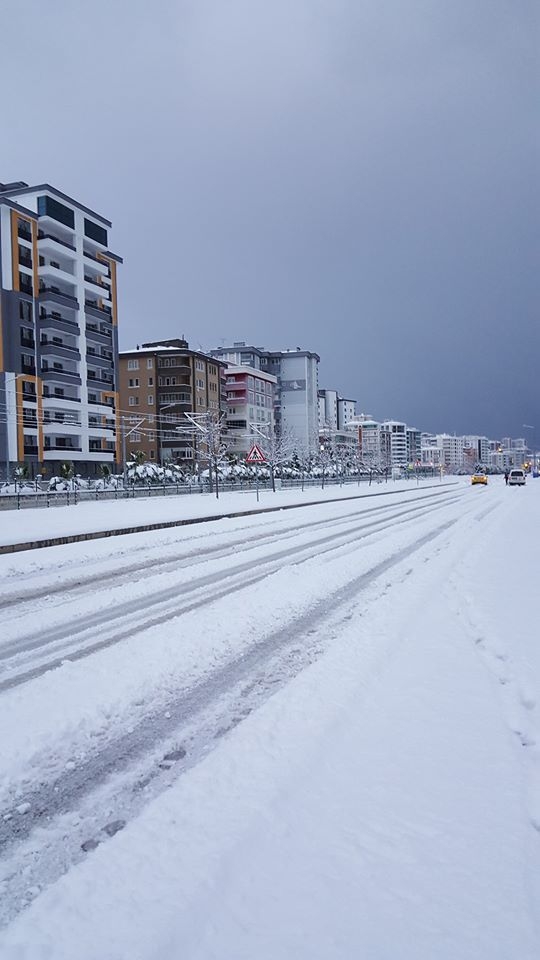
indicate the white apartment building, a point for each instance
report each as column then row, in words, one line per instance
column 328, row 410
column 58, row 332
column 346, row 412
column 296, row 398
column 396, row 431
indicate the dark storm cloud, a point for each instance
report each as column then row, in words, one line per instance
column 358, row 178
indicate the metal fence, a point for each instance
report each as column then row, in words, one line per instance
column 56, row 498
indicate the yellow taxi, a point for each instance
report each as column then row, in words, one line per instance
column 479, row 478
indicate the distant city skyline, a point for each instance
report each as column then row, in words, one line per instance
column 359, row 179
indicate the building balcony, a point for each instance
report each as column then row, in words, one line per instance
column 50, row 349
column 107, row 405
column 96, row 262
column 53, row 293
column 51, row 241
column 94, row 309
column 60, row 376
column 95, row 335
column 29, row 369
column 57, row 324
column 53, row 423
column 101, row 382
column 96, row 286
column 107, row 363
column 66, row 448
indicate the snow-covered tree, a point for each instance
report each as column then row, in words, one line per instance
column 278, row 450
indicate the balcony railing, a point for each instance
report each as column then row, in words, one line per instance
column 25, row 342
column 45, row 289
column 59, row 319
column 25, row 259
column 62, row 419
column 25, row 286
column 51, row 236
column 94, row 305
column 62, row 446
column 28, row 368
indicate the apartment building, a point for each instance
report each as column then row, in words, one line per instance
column 346, row 412
column 414, row 445
column 396, row 433
column 161, row 382
column 250, row 394
column 296, row 408
column 58, row 332
column 328, row 410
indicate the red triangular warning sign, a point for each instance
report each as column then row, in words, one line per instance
column 255, row 455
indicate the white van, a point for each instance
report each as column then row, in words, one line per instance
column 516, row 478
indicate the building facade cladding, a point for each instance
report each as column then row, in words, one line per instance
column 58, row 333
column 296, row 407
column 250, row 406
column 159, row 384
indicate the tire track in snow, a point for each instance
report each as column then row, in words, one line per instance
column 129, row 614
column 39, row 828
column 82, row 585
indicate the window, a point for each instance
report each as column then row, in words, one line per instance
column 134, row 401
column 133, row 364
column 150, row 399
column 47, row 207
column 151, row 436
column 149, row 364
column 150, row 382
column 200, row 402
column 199, row 365
column 134, row 381
column 200, row 384
column 25, row 283
column 95, row 232
column 152, row 454
column 25, row 310
column 136, row 437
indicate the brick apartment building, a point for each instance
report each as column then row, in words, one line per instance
column 159, row 383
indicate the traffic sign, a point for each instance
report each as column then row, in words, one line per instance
column 255, row 455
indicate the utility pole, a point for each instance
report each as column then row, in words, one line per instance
column 124, row 465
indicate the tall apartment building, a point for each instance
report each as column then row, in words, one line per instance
column 328, row 410
column 414, row 444
column 397, row 441
column 346, row 412
column 250, row 406
column 58, row 332
column 159, row 383
column 296, row 371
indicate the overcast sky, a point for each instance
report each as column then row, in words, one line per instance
column 355, row 177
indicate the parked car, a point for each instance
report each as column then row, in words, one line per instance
column 479, row 478
column 516, row 478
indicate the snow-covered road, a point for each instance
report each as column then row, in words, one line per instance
column 334, row 688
